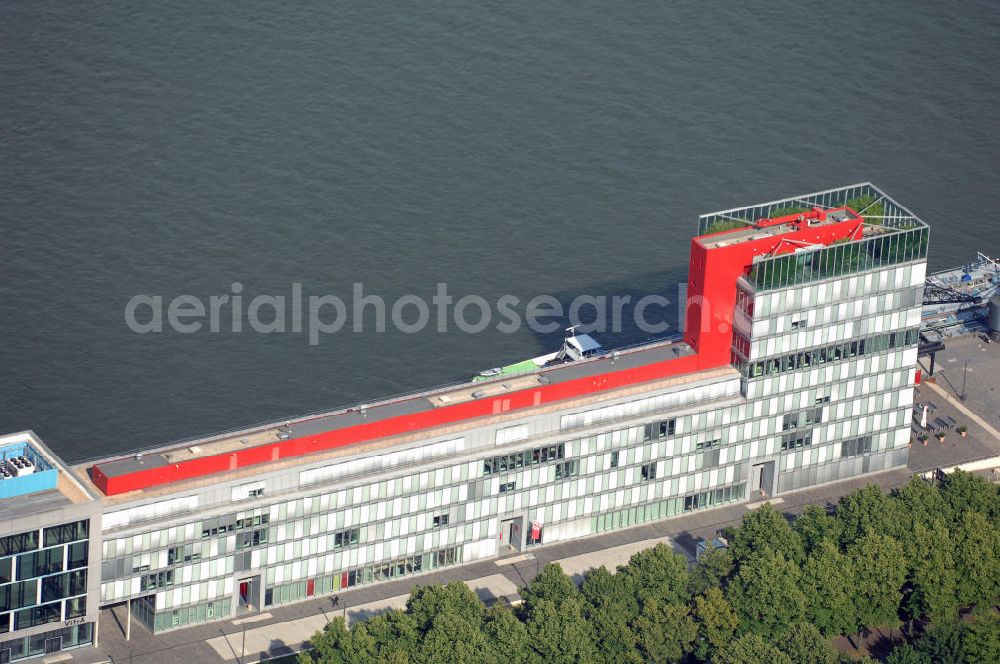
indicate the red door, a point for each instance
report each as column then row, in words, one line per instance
column 244, row 590
column 310, row 587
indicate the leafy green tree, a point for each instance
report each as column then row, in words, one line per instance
column 766, row 595
column 750, row 649
column 981, row 642
column 611, row 606
column 392, row 632
column 507, row 634
column 559, row 632
column 805, row 645
column 977, row 561
column 453, row 639
column 880, row 569
column 922, row 502
column 907, row 654
column 713, row 569
column 765, row 528
column 426, row 602
column 966, row 492
column 943, row 643
column 362, row 648
column 331, row 644
column 814, row 525
column 869, row 511
column 665, row 631
column 932, row 579
column 716, row 620
column 827, row 582
column 551, row 584
column 657, row 574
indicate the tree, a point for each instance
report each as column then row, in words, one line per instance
column 665, row 631
column 880, row 569
column 657, row 574
column 805, row 645
column 426, row 602
column 766, row 595
column 716, row 620
column 331, row 644
column 868, row 511
column 981, row 642
column 713, row 569
column 750, row 649
column 611, row 606
column 966, row 492
column 921, row 502
column 764, row 528
column 907, row 654
column 507, row 634
column 932, row 578
column 827, row 582
column 453, row 639
column 560, row 633
column 814, row 525
column 943, row 643
column 392, row 632
column 977, row 561
column 551, row 584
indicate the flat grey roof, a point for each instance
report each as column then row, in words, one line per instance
column 19, row 507
column 337, row 420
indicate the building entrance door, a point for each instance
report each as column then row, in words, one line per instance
column 249, row 595
column 757, row 478
column 53, row 645
column 762, row 478
column 511, row 535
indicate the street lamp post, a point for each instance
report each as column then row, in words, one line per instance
column 965, row 375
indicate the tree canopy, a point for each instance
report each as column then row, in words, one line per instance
column 778, row 594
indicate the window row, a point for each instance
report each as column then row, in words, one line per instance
column 802, row 418
column 796, row 440
column 526, row 458
column 53, row 536
column 856, row 446
column 819, row 356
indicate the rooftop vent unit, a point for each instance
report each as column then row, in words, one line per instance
column 20, row 466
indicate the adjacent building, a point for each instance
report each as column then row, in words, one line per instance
column 796, row 368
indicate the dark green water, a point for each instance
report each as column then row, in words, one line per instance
column 504, row 148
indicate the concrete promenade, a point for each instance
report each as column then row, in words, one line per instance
column 283, row 630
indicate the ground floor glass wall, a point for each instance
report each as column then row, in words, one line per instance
column 49, row 642
column 144, row 610
column 384, row 571
column 667, row 508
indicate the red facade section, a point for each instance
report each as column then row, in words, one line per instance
column 429, row 419
column 709, row 318
column 712, row 281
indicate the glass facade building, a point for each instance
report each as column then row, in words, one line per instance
column 816, row 385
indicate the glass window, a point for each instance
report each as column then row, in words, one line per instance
column 68, row 532
column 18, row 543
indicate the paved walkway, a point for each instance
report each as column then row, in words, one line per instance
column 284, row 630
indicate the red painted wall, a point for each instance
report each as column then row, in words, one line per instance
column 711, row 301
column 390, row 427
column 712, row 283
